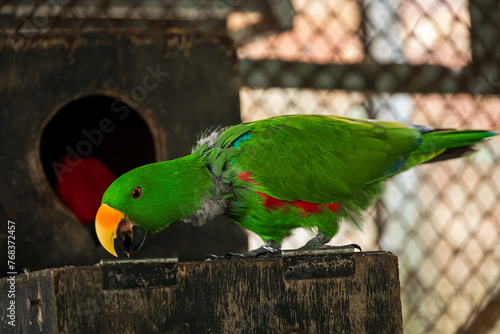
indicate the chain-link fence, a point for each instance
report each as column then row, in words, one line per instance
column 440, row 219
column 431, row 62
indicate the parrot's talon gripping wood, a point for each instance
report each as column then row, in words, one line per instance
column 326, row 249
column 261, row 252
column 274, row 175
column 355, row 246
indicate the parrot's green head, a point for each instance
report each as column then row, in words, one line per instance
column 149, row 198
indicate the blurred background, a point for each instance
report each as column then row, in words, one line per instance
column 93, row 88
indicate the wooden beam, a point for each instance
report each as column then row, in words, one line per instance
column 301, row 293
column 401, row 78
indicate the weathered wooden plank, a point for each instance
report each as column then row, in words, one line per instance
column 324, row 293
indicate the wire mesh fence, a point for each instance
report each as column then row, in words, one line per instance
column 431, row 62
column 441, row 219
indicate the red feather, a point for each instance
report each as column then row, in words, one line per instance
column 246, row 176
column 334, row 207
column 82, row 187
column 271, row 202
column 306, row 208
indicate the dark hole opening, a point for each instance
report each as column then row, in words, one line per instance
column 94, row 128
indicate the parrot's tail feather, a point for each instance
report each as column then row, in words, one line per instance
column 445, row 144
column 454, row 152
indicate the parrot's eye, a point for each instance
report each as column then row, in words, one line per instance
column 137, row 192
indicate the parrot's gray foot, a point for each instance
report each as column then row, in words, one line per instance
column 315, row 243
column 261, row 252
column 343, row 247
column 269, row 250
column 319, row 241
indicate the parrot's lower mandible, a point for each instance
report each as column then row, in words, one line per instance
column 274, row 175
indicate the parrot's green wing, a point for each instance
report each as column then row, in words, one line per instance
column 319, row 159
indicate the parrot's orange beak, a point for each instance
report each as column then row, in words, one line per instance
column 106, row 225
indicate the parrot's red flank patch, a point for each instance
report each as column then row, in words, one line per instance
column 246, row 176
column 305, row 208
column 271, row 203
column 334, row 207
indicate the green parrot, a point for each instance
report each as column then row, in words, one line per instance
column 274, row 175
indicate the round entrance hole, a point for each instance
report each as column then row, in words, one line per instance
column 88, row 143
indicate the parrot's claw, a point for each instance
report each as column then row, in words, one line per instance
column 330, row 247
column 228, row 256
column 261, row 252
column 319, row 241
column 350, row 246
